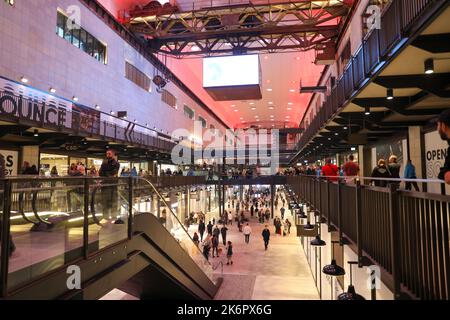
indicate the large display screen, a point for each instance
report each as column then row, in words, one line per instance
column 231, row 71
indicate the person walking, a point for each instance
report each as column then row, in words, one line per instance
column 380, row 171
column 209, row 227
column 394, row 169
column 230, row 218
column 282, row 210
column 266, row 237
column 229, row 253
column 201, row 229
column 224, row 231
column 410, row 173
column 207, row 246
column 247, row 233
column 289, row 224
column 216, row 232
column 331, row 171
column 351, row 169
column 196, row 239
column 443, row 127
column 215, row 245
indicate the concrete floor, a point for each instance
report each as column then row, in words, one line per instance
column 280, row 273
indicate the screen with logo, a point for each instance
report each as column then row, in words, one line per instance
column 231, row 71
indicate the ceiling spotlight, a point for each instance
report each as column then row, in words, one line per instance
column 236, row 110
column 97, row 107
column 336, row 134
column 252, row 103
column 390, row 94
column 367, row 111
column 270, row 102
column 271, row 108
column 233, row 105
column 112, row 113
column 290, row 103
column 52, row 90
column 24, row 80
column 269, row 89
column 289, row 108
column 429, row 66
column 353, row 149
column 135, row 121
column 292, row 90
column 345, row 128
column 75, row 98
column 36, row 133
column 253, row 108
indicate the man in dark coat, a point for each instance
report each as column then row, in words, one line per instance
column 223, row 231
column 266, row 237
column 201, row 229
column 210, row 228
column 109, row 169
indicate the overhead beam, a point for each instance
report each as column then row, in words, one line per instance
column 433, row 43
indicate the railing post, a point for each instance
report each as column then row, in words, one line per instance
column 339, row 209
column 5, row 239
column 395, row 239
column 328, row 205
column 359, row 222
column 86, row 219
column 130, row 207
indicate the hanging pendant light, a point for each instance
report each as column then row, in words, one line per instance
column 318, row 242
column 333, row 269
column 308, row 226
column 351, row 292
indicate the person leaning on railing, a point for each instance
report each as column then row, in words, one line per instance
column 12, row 246
column 443, row 127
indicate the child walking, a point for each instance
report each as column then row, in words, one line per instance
column 229, row 253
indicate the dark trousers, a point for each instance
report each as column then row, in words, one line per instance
column 247, row 238
column 216, row 250
column 109, row 202
column 266, row 243
column 224, row 240
column 201, row 235
column 410, row 184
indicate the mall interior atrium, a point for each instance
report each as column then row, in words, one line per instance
column 232, row 150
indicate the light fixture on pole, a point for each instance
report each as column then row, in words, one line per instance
column 36, row 133
column 351, row 292
column 333, row 269
column 366, row 112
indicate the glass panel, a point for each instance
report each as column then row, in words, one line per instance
column 89, row 44
column 108, row 211
column 76, row 37
column 83, row 44
column 60, row 25
column 46, row 226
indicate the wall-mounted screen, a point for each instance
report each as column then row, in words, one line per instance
column 231, row 71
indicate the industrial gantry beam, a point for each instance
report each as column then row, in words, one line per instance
column 238, row 29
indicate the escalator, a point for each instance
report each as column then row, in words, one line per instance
column 153, row 260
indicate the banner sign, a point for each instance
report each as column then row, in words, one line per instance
column 11, row 162
column 435, row 153
column 85, row 119
column 20, row 102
